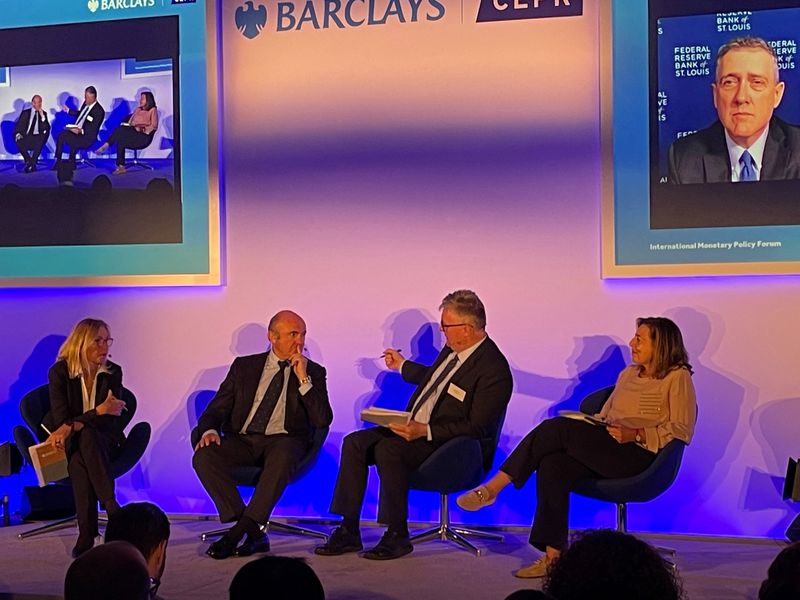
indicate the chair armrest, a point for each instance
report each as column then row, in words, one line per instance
column 24, row 440
column 132, row 449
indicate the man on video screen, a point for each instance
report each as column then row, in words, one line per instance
column 31, row 132
column 83, row 133
column 748, row 142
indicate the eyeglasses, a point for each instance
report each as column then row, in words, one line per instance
column 444, row 327
column 152, row 589
column 99, row 341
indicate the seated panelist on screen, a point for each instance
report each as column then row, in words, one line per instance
column 83, row 133
column 136, row 132
column 31, row 132
column 748, row 142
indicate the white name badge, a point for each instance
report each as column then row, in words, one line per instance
column 456, row 392
column 90, row 118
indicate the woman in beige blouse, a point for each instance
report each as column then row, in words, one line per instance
column 653, row 402
column 135, row 133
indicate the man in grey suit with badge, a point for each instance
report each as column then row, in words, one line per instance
column 264, row 414
column 464, row 393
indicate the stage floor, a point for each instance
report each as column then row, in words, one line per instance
column 710, row 569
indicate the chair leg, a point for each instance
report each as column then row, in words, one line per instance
column 206, row 535
column 457, row 535
column 622, row 526
column 289, row 529
column 54, row 526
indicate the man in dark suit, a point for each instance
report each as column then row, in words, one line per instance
column 747, row 143
column 87, row 125
column 464, row 393
column 31, row 132
column 267, row 409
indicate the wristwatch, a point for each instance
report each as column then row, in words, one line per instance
column 305, row 380
column 638, row 437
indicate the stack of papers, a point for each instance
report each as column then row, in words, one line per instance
column 580, row 416
column 385, row 416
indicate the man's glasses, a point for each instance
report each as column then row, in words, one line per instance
column 444, row 327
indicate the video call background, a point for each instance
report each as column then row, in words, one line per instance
column 689, row 100
column 368, row 172
column 55, row 83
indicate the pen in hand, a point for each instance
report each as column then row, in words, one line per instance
column 400, row 350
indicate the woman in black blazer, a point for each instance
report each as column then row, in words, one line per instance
column 84, row 419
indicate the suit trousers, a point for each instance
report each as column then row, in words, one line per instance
column 74, row 141
column 128, row 137
column 30, row 146
column 562, row 452
column 394, row 458
column 91, row 451
column 278, row 456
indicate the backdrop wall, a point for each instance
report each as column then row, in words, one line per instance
column 369, row 171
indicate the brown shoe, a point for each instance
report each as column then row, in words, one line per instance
column 476, row 499
column 535, row 570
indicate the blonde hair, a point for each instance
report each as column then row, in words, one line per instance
column 73, row 350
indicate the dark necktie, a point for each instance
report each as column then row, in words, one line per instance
column 748, row 172
column 269, row 401
column 33, row 123
column 432, row 390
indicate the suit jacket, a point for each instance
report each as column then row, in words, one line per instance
column 702, row 157
column 485, row 378
column 232, row 403
column 91, row 126
column 66, row 399
column 24, row 120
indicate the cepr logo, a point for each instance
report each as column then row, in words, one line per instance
column 250, row 22
column 93, row 5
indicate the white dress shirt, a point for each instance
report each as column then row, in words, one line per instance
column 756, row 150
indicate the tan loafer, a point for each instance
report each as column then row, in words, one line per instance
column 476, row 499
column 535, row 570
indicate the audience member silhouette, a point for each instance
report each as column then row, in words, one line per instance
column 783, row 576
column 276, row 578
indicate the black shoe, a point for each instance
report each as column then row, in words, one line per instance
column 392, row 545
column 84, row 544
column 253, row 545
column 224, row 547
column 341, row 541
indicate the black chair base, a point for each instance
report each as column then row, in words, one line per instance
column 453, row 533
column 137, row 164
column 275, row 526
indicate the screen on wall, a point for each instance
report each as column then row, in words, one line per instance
column 107, row 144
column 701, row 139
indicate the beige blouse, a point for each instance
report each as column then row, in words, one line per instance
column 665, row 408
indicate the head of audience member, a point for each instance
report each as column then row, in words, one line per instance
column 147, row 100
column 528, row 595
column 463, row 319
column 747, row 88
column 90, row 95
column 604, row 564
column 36, row 103
column 146, row 527
column 657, row 347
column 86, row 348
column 158, row 186
column 287, row 334
column 64, row 172
column 276, row 578
column 101, row 185
column 10, row 191
column 783, row 576
column 113, row 571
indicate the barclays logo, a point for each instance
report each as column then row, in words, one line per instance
column 250, row 22
column 341, row 14
column 95, row 5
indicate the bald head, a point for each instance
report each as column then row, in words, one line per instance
column 112, row 571
column 287, row 333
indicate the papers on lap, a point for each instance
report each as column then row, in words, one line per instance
column 49, row 462
column 385, row 416
column 579, row 416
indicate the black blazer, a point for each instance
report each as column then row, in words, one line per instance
column 24, row 120
column 702, row 157
column 66, row 399
column 486, row 380
column 91, row 126
column 232, row 403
